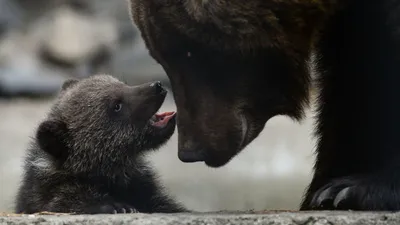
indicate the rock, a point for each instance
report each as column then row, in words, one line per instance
column 35, row 10
column 120, row 12
column 45, row 42
column 132, row 63
column 22, row 72
column 28, row 79
column 130, row 60
column 276, row 218
column 10, row 16
column 75, row 38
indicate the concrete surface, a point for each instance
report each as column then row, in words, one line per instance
column 273, row 218
column 271, row 173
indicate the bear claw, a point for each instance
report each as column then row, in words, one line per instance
column 336, row 195
column 332, row 198
column 115, row 208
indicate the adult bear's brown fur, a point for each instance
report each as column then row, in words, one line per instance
column 235, row 64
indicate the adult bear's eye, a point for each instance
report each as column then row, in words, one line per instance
column 117, row 107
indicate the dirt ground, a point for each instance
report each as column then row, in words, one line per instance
column 271, row 173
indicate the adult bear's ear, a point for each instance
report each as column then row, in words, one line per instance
column 52, row 136
column 68, row 84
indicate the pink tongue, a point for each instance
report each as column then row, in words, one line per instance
column 165, row 114
column 164, row 119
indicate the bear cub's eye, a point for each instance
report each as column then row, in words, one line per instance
column 117, row 107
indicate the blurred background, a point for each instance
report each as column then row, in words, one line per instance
column 44, row 42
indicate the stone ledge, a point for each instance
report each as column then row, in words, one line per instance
column 268, row 218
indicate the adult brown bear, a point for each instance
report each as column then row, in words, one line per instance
column 234, row 64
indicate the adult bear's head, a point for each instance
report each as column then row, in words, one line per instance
column 232, row 65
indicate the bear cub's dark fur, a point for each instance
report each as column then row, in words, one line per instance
column 87, row 155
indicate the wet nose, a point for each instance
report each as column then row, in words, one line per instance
column 158, row 87
column 189, row 156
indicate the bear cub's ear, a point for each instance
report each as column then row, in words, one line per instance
column 68, row 84
column 51, row 136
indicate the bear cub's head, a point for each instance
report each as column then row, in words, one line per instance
column 101, row 125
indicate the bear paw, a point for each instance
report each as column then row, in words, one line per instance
column 357, row 194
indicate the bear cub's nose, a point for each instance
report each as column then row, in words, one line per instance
column 158, row 87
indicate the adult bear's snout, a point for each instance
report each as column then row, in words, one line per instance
column 189, row 155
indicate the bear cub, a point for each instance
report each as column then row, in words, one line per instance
column 87, row 155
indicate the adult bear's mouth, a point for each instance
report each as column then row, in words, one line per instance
column 245, row 128
column 218, row 157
